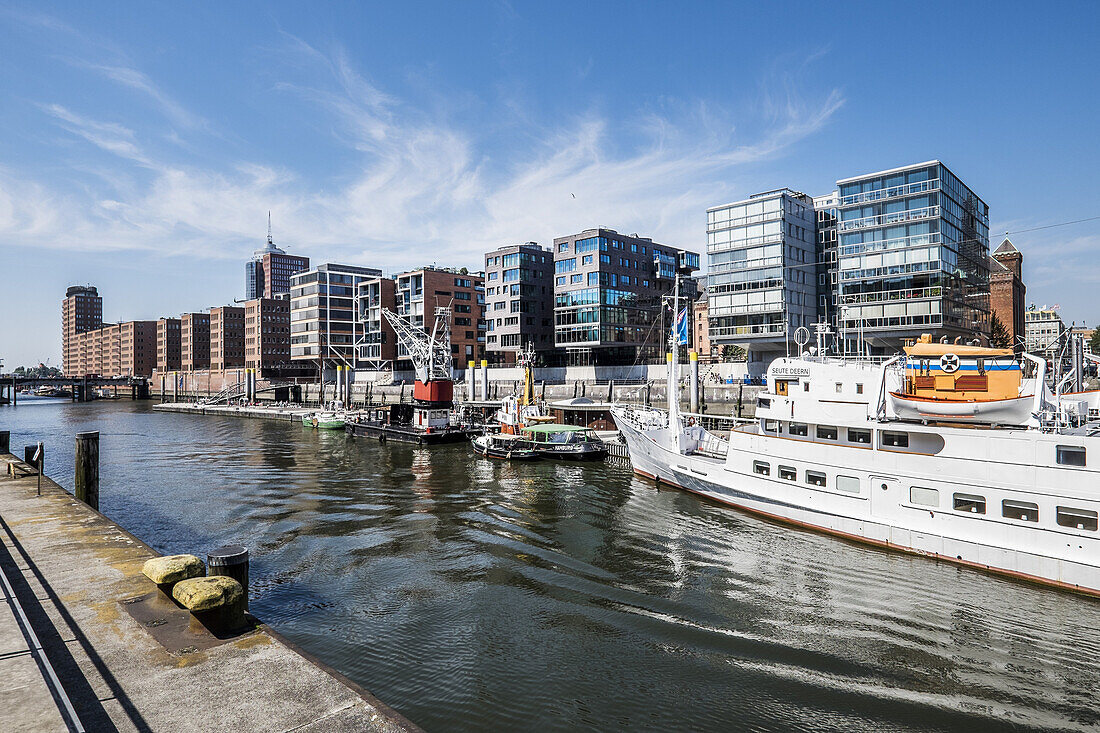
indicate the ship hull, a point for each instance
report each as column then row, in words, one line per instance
column 874, row 520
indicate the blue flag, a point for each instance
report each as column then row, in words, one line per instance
column 681, row 327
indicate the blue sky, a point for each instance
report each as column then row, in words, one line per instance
column 144, row 143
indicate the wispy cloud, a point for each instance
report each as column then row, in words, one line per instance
column 419, row 185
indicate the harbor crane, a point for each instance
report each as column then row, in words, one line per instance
column 430, row 353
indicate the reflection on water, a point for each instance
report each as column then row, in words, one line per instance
column 471, row 594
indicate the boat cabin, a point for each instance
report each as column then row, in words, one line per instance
column 959, row 372
column 558, row 434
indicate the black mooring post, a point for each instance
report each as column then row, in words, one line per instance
column 86, row 485
column 230, row 561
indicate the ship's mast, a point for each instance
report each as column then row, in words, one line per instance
column 674, row 362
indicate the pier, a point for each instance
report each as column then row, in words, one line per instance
column 87, row 642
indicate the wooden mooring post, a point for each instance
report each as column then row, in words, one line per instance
column 86, row 484
column 5, row 441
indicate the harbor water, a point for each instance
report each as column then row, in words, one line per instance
column 476, row 595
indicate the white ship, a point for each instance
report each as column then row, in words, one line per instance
column 953, row 451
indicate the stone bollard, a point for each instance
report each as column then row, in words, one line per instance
column 232, row 562
column 86, row 485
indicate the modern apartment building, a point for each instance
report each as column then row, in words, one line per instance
column 763, row 270
column 168, row 345
column 519, row 301
column 418, row 293
column 378, row 346
column 913, row 255
column 226, row 337
column 1044, row 331
column 194, row 341
column 323, row 323
column 828, row 271
column 267, row 274
column 608, row 290
column 1007, row 290
column 81, row 311
column 266, row 333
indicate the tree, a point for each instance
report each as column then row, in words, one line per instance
column 999, row 338
column 733, row 353
column 1094, row 342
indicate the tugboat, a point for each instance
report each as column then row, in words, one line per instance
column 523, row 411
column 505, row 446
column 428, row 420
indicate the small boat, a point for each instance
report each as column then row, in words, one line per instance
column 507, row 447
column 566, row 442
column 323, row 421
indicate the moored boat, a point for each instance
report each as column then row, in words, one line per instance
column 323, row 421
column 565, row 442
column 504, row 446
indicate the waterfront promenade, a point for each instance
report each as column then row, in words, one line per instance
column 87, row 641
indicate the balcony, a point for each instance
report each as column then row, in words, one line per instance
column 767, row 329
column 881, row 194
column 928, row 212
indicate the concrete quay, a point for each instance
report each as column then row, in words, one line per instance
column 87, row 642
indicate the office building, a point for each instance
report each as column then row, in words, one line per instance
column 1007, row 291
column 825, row 228
column 266, row 333
column 1044, row 331
column 168, row 345
column 420, row 292
column 323, row 323
column 137, row 348
column 763, row 271
column 81, row 311
column 378, row 347
column 519, row 301
column 267, row 274
column 194, row 341
column 913, row 256
column 126, row 349
column 226, row 337
column 608, row 290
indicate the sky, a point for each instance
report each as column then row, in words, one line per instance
column 142, row 145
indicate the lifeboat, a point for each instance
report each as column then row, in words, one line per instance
column 962, row 383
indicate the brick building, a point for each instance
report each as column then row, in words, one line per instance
column 226, row 337
column 1007, row 290
column 700, row 341
column 194, row 341
column 420, row 292
column 266, row 332
column 81, row 311
column 168, row 345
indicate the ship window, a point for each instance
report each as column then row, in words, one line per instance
column 1024, row 510
column 763, row 402
column 859, row 435
column 771, row 426
column 826, row 432
column 839, row 388
column 799, row 428
column 815, row 477
column 1071, row 455
column 859, row 388
column 805, row 386
column 787, row 473
column 1078, row 518
column 895, row 440
column 761, row 468
column 970, row 503
column 848, row 484
column 927, row 497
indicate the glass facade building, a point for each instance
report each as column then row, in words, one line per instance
column 519, row 301
column 762, row 274
column 913, row 255
column 608, row 290
column 323, row 323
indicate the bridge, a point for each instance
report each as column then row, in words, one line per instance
column 80, row 389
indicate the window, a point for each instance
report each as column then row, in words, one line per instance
column 761, row 468
column 805, row 386
column 586, row 260
column 847, row 484
column 895, row 440
column 859, row 388
column 1077, row 518
column 815, row 478
column 787, row 473
column 839, row 387
column 826, row 432
column 1071, row 455
column 969, row 503
column 859, row 435
column 798, row 428
column 926, row 497
column 1023, row 510
column 771, row 426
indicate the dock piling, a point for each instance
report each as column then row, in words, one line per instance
column 86, row 485
column 5, row 441
column 232, row 562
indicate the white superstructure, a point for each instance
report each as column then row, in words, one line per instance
column 829, row 451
